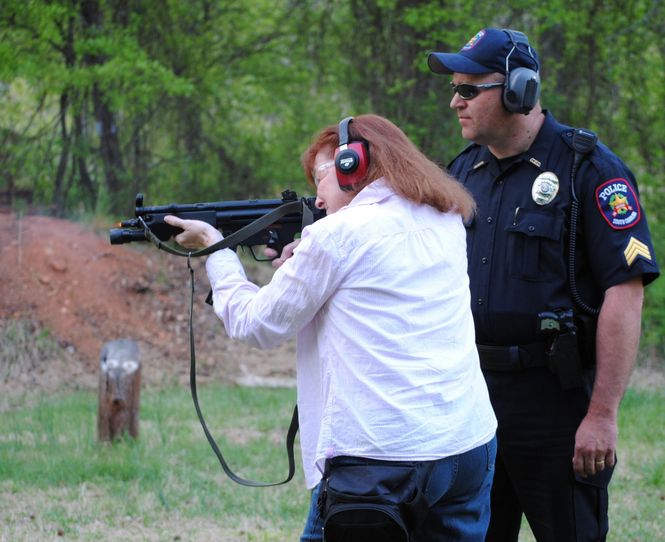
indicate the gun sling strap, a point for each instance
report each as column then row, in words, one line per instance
column 228, row 242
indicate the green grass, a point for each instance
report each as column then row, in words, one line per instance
column 167, row 485
column 637, row 493
column 57, row 482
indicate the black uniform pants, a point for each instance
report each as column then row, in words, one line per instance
column 534, row 474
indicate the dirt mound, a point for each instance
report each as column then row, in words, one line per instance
column 68, row 279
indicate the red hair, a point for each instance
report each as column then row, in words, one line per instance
column 393, row 156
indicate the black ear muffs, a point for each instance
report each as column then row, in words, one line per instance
column 351, row 158
column 522, row 88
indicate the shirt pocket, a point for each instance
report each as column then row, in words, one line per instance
column 535, row 248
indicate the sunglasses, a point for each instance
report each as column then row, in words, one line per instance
column 469, row 92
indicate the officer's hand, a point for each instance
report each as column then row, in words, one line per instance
column 287, row 252
column 195, row 234
column 595, row 445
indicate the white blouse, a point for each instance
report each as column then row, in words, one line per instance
column 378, row 297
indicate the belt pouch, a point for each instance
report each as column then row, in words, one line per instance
column 368, row 502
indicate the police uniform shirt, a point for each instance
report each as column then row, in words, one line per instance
column 518, row 241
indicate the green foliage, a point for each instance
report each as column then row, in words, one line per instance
column 219, row 99
column 188, row 101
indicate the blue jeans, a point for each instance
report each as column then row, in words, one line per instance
column 313, row 531
column 457, row 493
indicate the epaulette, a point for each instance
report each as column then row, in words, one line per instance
column 464, row 151
column 567, row 135
column 592, row 157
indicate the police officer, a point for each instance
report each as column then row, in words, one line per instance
column 559, row 253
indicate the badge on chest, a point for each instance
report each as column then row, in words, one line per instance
column 545, row 188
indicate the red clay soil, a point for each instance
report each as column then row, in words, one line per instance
column 71, row 281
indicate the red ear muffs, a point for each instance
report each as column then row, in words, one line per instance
column 351, row 158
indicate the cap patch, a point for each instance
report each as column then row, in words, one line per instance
column 636, row 249
column 472, row 42
column 618, row 204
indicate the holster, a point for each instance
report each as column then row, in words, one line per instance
column 565, row 360
column 586, row 338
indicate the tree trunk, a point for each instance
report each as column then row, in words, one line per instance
column 92, row 16
column 59, row 195
column 111, row 153
column 119, row 390
column 82, row 154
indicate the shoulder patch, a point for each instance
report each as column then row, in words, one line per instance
column 618, row 204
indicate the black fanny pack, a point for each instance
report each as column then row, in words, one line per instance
column 364, row 500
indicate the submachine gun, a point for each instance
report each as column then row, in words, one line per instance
column 290, row 214
column 247, row 223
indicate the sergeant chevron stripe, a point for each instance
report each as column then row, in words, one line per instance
column 636, row 249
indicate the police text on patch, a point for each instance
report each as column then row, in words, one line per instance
column 617, row 202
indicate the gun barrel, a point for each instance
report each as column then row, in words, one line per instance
column 120, row 236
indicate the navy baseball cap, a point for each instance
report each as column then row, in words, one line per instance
column 486, row 52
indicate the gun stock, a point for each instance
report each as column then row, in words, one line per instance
column 226, row 216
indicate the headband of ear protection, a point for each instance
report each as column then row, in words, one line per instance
column 351, row 158
column 522, row 88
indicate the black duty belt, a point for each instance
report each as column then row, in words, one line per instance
column 513, row 358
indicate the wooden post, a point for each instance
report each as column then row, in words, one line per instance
column 119, row 390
